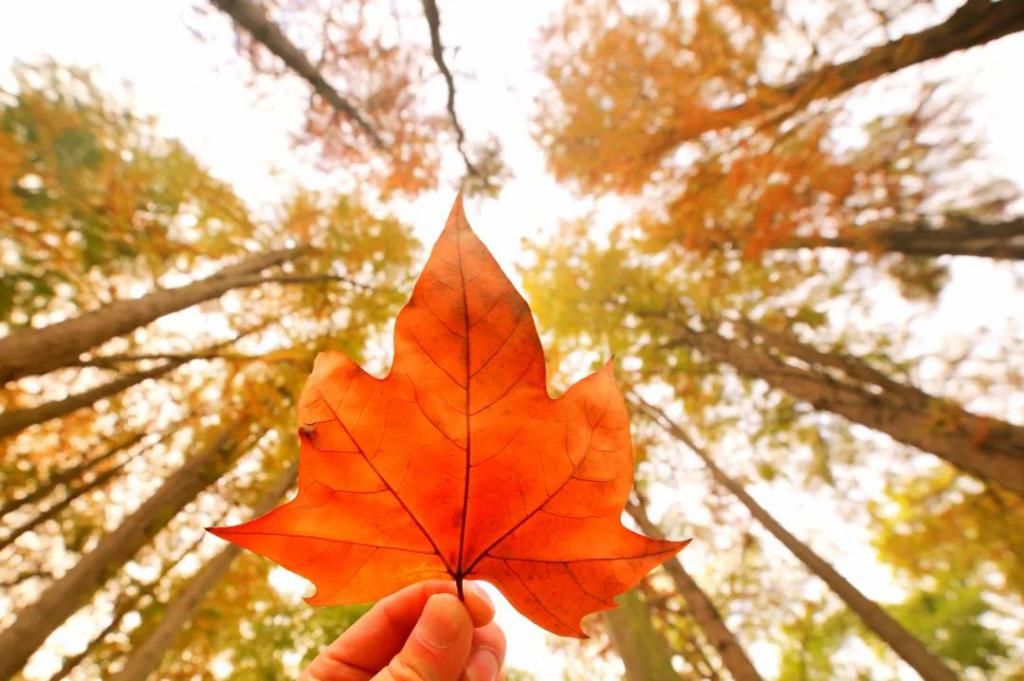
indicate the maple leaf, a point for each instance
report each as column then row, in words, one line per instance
column 458, row 464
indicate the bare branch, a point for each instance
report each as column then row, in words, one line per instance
column 249, row 16
column 437, row 49
column 298, row 278
column 959, row 235
column 974, row 23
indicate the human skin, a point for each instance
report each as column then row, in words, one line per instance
column 421, row 633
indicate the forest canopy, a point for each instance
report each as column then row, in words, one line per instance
column 790, row 225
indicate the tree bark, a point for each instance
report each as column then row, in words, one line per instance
column 433, row 16
column 38, row 351
column 122, row 607
column 65, row 596
column 13, row 422
column 974, row 23
column 145, row 658
column 986, row 447
column 124, row 604
column 67, row 475
column 250, row 17
column 999, row 240
column 69, row 498
column 903, row 643
column 704, row 612
column 643, row 650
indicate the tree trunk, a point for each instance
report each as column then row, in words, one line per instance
column 913, row 652
column 124, row 604
column 701, row 608
column 13, row 422
column 65, row 596
column 122, row 607
column 67, row 475
column 38, row 351
column 1002, row 240
column 250, row 17
column 69, row 498
column 145, row 658
column 986, row 447
column 644, row 652
column 976, row 22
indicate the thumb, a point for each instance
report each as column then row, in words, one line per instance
column 438, row 647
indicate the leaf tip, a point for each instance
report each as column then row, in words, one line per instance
column 682, row 544
column 457, row 217
column 220, row 532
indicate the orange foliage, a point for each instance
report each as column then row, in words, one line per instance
column 458, row 464
column 363, row 50
column 760, row 194
column 387, row 80
column 675, row 102
column 629, row 88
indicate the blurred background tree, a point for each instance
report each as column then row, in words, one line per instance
column 781, row 163
column 112, row 231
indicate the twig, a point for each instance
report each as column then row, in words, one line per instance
column 248, row 15
column 434, row 22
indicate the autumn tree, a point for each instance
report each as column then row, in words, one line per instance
column 155, row 331
column 375, row 106
column 750, row 127
column 765, row 153
column 702, row 610
column 659, row 319
column 112, row 231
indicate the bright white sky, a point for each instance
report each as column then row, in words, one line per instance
column 196, row 91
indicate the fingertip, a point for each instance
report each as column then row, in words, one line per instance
column 444, row 621
column 479, row 604
column 439, row 646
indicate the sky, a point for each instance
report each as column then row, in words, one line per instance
column 195, row 90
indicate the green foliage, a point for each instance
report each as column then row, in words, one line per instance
column 95, row 206
column 811, row 643
column 88, row 193
column 264, row 634
column 945, row 617
column 948, row 619
column 925, row 524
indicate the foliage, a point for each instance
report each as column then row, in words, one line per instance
column 89, row 193
column 110, row 209
column 675, row 106
column 387, row 81
column 923, row 522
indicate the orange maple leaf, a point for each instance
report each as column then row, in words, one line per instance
column 458, row 464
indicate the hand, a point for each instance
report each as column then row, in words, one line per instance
column 421, row 633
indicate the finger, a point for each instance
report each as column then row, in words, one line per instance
column 487, row 654
column 369, row 644
column 438, row 647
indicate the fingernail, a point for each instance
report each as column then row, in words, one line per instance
column 482, row 665
column 439, row 623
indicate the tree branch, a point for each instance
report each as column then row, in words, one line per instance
column 294, row 278
column 249, row 16
column 960, row 235
column 437, row 50
column 974, row 23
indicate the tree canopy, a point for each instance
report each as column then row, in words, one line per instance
column 765, row 213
